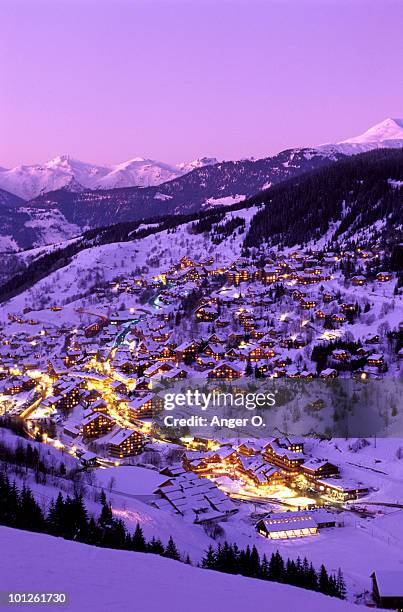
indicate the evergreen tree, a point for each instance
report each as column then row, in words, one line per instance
column 276, row 567
column 312, row 579
column 209, row 560
column 264, row 568
column 117, row 535
column 229, row 561
column 245, row 565
column 106, row 517
column 93, row 532
column 255, row 562
column 138, row 541
column 29, row 514
column 324, row 585
column 171, row 551
column 299, row 572
column 75, row 519
column 341, row 590
column 55, row 518
column 332, row 591
column 155, row 546
column 291, row 576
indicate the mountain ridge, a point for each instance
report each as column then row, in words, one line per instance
column 30, row 181
column 358, row 196
column 73, row 208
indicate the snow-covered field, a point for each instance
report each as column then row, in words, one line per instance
column 104, row 580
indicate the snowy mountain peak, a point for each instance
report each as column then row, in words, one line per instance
column 136, row 159
column 59, row 159
column 200, row 162
column 389, row 129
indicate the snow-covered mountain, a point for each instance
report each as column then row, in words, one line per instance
column 138, row 172
column 200, row 162
column 85, row 196
column 352, row 196
column 387, row 134
column 208, row 186
column 389, row 129
column 30, row 181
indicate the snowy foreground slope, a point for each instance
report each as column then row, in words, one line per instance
column 107, row 580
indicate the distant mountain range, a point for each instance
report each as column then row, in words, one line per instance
column 70, row 207
column 57, row 212
column 356, row 201
column 30, row 181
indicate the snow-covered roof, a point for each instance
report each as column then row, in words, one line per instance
column 390, row 582
column 120, row 436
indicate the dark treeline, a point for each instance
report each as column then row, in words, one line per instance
column 68, row 518
column 206, row 222
column 355, row 192
column 321, row 353
column 16, row 425
column 247, row 562
column 224, row 230
column 22, row 455
column 27, row 457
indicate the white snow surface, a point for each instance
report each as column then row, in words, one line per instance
column 389, row 129
column 105, row 580
column 225, row 201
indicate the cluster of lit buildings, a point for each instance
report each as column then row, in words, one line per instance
column 251, row 318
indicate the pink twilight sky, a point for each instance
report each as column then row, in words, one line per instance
column 107, row 80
